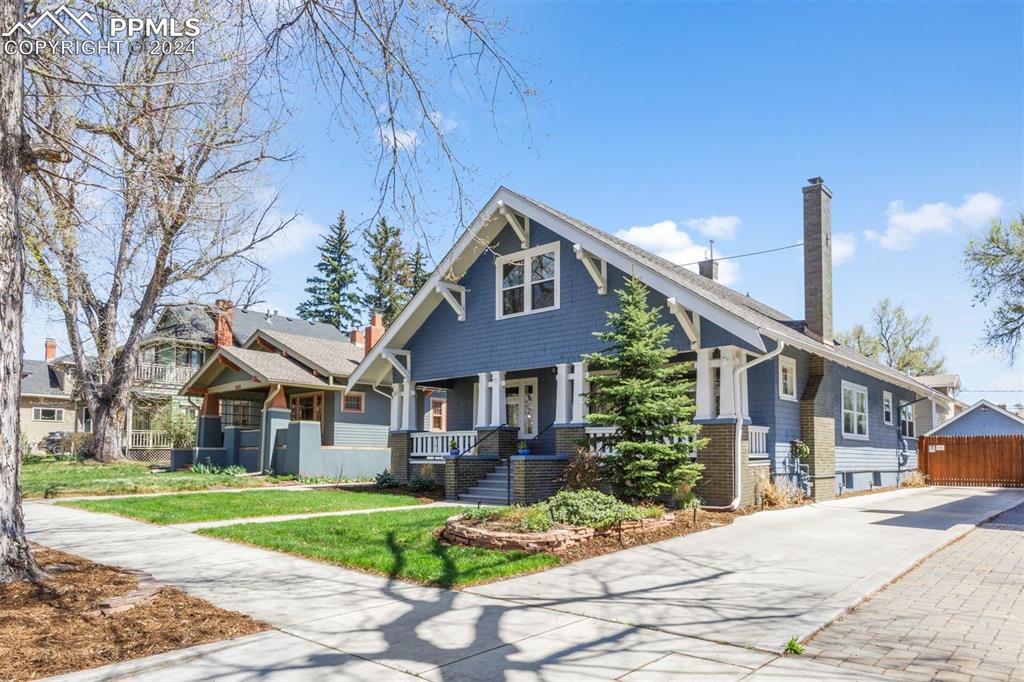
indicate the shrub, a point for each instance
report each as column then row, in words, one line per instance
column 207, row 469
column 774, row 495
column 418, row 483
column 595, row 509
column 385, row 479
column 915, row 479
column 799, row 449
column 532, row 519
column 79, row 444
column 582, row 472
column 794, row 647
column 178, row 424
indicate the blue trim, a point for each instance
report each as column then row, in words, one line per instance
column 539, row 458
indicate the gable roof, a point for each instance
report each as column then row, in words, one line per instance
column 982, row 405
column 741, row 315
column 194, row 322
column 263, row 366
column 40, row 379
column 940, row 380
column 330, row 357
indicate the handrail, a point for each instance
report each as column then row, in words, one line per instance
column 481, row 440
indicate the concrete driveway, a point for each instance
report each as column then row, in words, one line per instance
column 687, row 608
column 769, row 576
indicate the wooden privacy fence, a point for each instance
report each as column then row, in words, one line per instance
column 972, row 460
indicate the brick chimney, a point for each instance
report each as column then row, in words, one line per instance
column 356, row 336
column 374, row 331
column 818, row 259
column 51, row 349
column 708, row 268
column 224, row 317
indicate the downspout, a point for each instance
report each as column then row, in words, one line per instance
column 263, row 425
column 737, row 485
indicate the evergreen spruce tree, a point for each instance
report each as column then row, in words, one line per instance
column 386, row 271
column 418, row 270
column 646, row 399
column 332, row 296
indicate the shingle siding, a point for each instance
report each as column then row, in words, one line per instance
column 365, row 429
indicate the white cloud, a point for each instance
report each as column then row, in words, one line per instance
column 405, row 139
column 294, row 238
column 668, row 241
column 717, row 226
column 844, row 245
column 904, row 226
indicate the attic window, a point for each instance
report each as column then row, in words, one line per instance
column 527, row 281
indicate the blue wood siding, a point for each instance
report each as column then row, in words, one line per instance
column 880, row 434
column 982, row 422
column 366, row 429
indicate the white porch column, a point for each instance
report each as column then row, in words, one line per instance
column 483, row 400
column 408, row 406
column 727, row 399
column 705, row 387
column 562, row 399
column 497, row 398
column 396, row 406
column 579, row 370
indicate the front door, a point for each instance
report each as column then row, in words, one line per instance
column 521, row 406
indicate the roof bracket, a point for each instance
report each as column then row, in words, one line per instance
column 522, row 229
column 396, row 358
column 597, row 267
column 691, row 327
column 455, row 294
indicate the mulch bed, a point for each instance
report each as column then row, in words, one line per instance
column 87, row 615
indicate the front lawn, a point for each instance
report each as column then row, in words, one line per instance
column 189, row 508
column 49, row 478
column 400, row 544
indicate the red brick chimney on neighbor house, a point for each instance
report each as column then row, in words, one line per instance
column 51, row 349
column 356, row 336
column 224, row 317
column 374, row 331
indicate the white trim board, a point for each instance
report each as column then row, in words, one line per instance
column 991, row 406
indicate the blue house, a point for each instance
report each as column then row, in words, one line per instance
column 502, row 325
column 981, row 419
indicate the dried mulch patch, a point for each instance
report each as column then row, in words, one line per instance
column 62, row 625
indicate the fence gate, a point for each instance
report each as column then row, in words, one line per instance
column 972, row 460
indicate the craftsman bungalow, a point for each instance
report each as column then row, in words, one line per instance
column 504, row 321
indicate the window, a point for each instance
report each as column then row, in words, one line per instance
column 352, row 402
column 855, row 411
column 245, row 414
column 307, row 408
column 907, row 421
column 47, row 414
column 148, row 355
column 189, row 357
column 787, row 378
column 527, row 282
column 887, row 407
column 438, row 414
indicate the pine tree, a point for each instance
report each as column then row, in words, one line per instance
column 332, row 295
column 418, row 270
column 646, row 399
column 386, row 270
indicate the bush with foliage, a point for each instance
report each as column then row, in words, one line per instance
column 207, row 469
column 595, row 509
column 532, row 519
column 582, row 471
column 79, row 444
column 385, row 479
column 179, row 425
column 418, row 483
column 646, row 399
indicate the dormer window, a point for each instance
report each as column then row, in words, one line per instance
column 527, row 281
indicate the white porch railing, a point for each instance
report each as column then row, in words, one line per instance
column 438, row 443
column 149, row 439
column 599, row 436
column 164, row 374
column 758, row 441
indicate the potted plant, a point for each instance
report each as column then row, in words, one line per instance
column 799, row 449
column 521, row 446
column 453, row 447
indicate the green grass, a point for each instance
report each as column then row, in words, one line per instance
column 400, row 544
column 189, row 508
column 56, row 479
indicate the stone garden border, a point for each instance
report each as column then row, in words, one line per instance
column 458, row 533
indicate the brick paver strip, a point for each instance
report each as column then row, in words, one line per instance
column 958, row 615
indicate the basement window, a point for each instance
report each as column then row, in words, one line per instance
column 527, row 281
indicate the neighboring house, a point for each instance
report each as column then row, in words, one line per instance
column 47, row 398
column 278, row 402
column 940, row 411
column 503, row 322
column 982, row 419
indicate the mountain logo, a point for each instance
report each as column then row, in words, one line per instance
column 61, row 17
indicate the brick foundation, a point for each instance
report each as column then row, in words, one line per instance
column 400, row 443
column 818, row 429
column 536, row 478
column 500, row 443
column 716, row 485
column 568, row 439
column 462, row 473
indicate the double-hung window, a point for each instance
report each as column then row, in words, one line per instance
column 887, row 407
column 527, row 281
column 787, row 378
column 855, row 411
column 907, row 421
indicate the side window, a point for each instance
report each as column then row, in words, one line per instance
column 855, row 411
column 787, row 378
column 907, row 421
column 887, row 407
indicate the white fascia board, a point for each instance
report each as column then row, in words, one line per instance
column 972, row 408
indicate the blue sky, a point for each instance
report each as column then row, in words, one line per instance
column 681, row 112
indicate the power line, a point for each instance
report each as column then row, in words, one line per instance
column 992, row 390
column 752, row 253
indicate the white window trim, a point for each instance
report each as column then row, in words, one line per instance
column 532, row 381
column 887, row 402
column 362, row 402
column 856, row 388
column 787, row 363
column 913, row 427
column 57, row 411
column 525, row 256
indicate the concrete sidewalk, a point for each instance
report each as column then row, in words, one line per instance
column 330, row 621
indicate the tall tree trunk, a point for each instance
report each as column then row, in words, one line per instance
column 16, row 561
column 108, row 429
